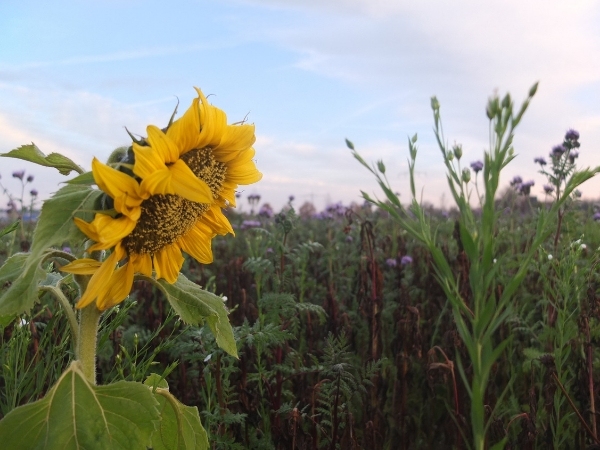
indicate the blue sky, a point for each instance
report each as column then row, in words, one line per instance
column 308, row 74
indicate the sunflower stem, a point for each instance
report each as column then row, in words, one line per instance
column 88, row 333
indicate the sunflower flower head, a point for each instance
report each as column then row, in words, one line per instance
column 166, row 196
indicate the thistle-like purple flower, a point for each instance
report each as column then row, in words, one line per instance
column 572, row 135
column 406, row 260
column 391, row 262
column 548, row 189
column 573, row 155
column 557, row 151
column 596, row 216
column 525, row 188
column 477, row 166
column 18, row 174
column 33, row 193
column 30, row 178
column 266, row 211
column 541, row 161
column 516, row 181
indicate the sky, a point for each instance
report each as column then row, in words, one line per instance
column 308, row 74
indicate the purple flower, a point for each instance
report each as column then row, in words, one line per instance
column 516, row 181
column 291, row 198
column 18, row 174
column 269, row 251
column 391, row 262
column 557, row 151
column 406, row 260
column 541, row 161
column 30, row 178
column 525, row 188
column 572, row 135
column 246, row 224
column 596, row 216
column 548, row 189
column 349, row 239
column 66, row 249
column 238, row 194
column 266, row 211
column 33, row 193
column 573, row 155
column 477, row 166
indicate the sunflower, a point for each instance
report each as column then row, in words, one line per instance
column 183, row 177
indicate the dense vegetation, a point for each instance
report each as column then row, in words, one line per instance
column 346, row 338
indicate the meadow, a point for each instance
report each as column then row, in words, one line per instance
column 379, row 325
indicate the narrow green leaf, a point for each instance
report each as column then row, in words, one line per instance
column 9, row 229
column 33, row 154
column 195, row 305
column 180, row 426
column 76, row 415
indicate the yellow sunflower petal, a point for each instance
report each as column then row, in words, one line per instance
column 105, row 230
column 213, row 122
column 121, row 283
column 187, row 185
column 184, row 131
column 82, row 266
column 162, row 144
column 246, row 173
column 99, row 284
column 147, row 161
column 142, row 263
column 121, row 187
column 168, row 262
column 217, row 221
column 196, row 243
column 235, row 139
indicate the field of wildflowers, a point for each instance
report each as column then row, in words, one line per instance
column 376, row 325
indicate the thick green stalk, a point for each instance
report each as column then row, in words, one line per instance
column 88, row 334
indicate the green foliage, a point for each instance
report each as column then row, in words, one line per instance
column 33, row 154
column 74, row 414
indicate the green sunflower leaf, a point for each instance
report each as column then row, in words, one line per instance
column 19, row 279
column 33, row 154
column 86, row 178
column 195, row 305
column 180, row 426
column 76, row 415
column 55, row 226
column 22, row 273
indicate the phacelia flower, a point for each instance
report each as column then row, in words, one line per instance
column 247, row 224
column 30, row 178
column 266, row 211
column 548, row 188
column 557, row 151
column 477, row 166
column 18, row 174
column 573, row 155
column 541, row 161
column 516, row 181
column 525, row 188
column 391, row 262
column 596, row 216
column 572, row 135
column 185, row 175
column 406, row 260
column 33, row 193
